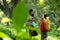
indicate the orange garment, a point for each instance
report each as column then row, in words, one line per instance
column 47, row 23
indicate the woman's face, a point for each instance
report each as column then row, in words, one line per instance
column 32, row 14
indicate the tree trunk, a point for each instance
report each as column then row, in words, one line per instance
column 7, row 9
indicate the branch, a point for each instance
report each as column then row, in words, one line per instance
column 6, row 9
column 8, row 12
column 14, row 2
column 1, row 7
column 6, row 5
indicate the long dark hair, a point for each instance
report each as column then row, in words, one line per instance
column 45, row 15
column 31, row 10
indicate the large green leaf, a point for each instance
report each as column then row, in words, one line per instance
column 19, row 15
column 3, row 35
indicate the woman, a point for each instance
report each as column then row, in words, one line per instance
column 31, row 23
column 45, row 27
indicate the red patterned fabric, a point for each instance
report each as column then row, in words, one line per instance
column 43, row 27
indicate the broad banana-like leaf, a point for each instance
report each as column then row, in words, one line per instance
column 19, row 16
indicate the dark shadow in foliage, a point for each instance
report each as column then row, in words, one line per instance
column 1, row 38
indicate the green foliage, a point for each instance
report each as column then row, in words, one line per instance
column 23, row 36
column 7, row 30
column 19, row 15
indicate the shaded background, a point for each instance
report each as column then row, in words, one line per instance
column 40, row 7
